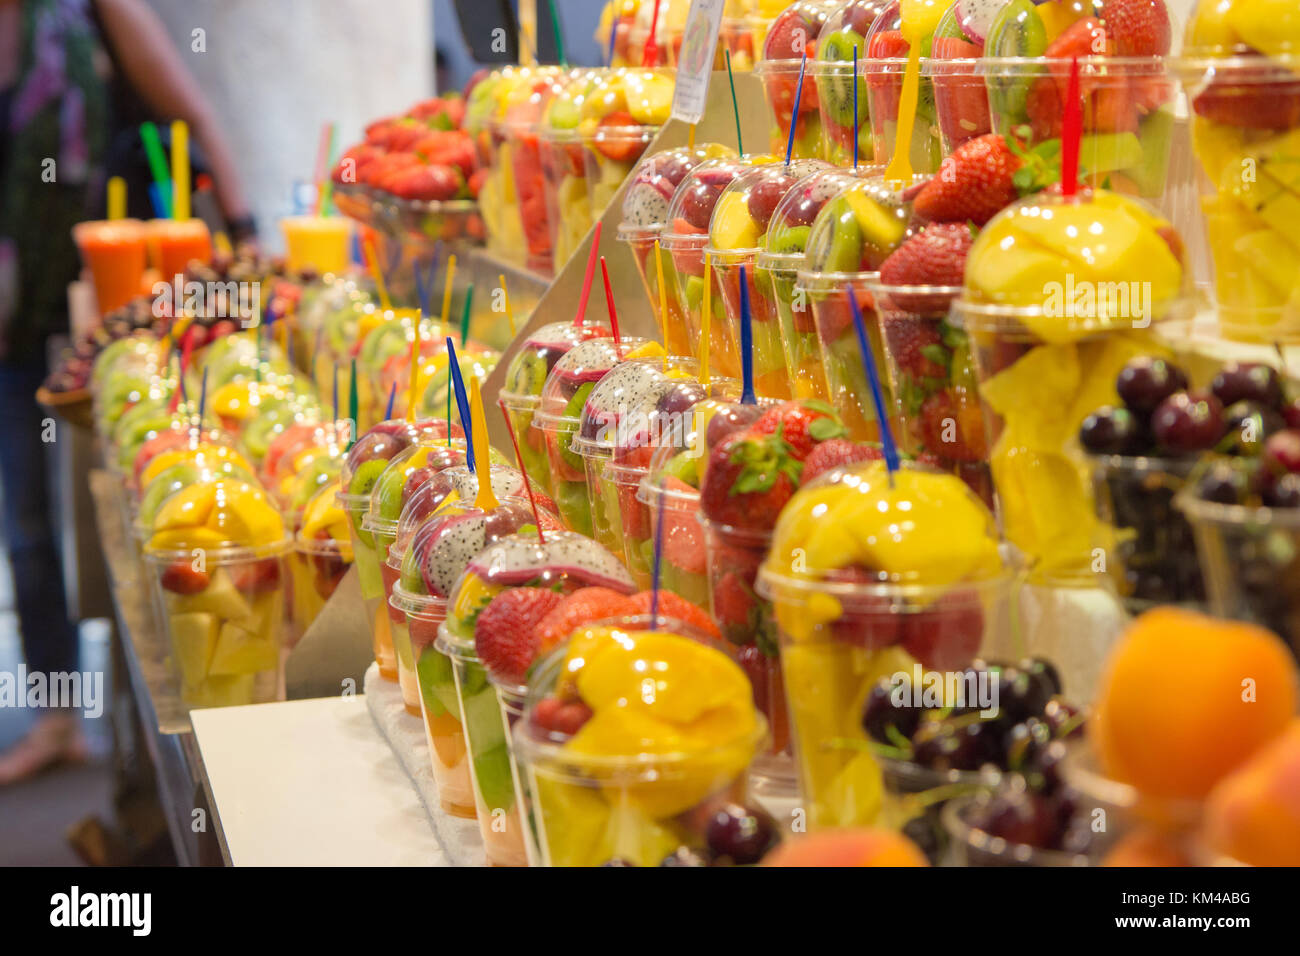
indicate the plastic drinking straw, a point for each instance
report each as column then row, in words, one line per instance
column 392, row 397
column 117, row 198
column 588, row 277
column 650, row 56
column 706, row 318
column 352, row 405
column 464, row 315
column 462, row 402
column 421, row 293
column 449, row 411
column 655, row 572
column 877, row 393
column 221, row 243
column 559, row 33
column 377, row 274
column 519, row 460
column 180, row 170
column 690, row 137
column 735, row 110
column 158, row 167
column 747, row 396
column 486, row 500
column 1071, row 133
column 413, row 388
column 336, row 391
column 613, row 35
column 446, row 290
column 794, row 117
column 663, row 289
column 613, row 313
column 510, row 313
column 203, row 396
column 322, row 149
column 157, row 202
column 856, row 131
column 324, row 162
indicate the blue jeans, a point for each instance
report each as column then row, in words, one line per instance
column 49, row 638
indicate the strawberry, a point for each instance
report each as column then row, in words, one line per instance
column 673, row 605
column 835, row 453
column 261, row 575
column 505, row 633
column 973, row 184
column 953, row 429
column 866, row 620
column 802, row 423
column 1264, row 98
column 560, row 716
column 581, row 607
column 683, row 540
column 946, row 635
column 750, row 478
column 181, row 578
column 1138, row 27
column 735, row 607
column 426, row 183
column 916, row 346
column 622, row 147
column 936, row 256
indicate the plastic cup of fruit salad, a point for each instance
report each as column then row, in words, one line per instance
column 316, row 566
column 737, row 233
column 844, row 32
column 842, row 632
column 1249, row 556
column 961, row 100
column 1154, row 559
column 619, row 120
column 564, row 168
column 559, row 413
column 792, row 35
column 518, row 130
column 883, row 70
column 493, row 774
column 594, row 801
column 932, row 377
column 852, row 234
column 645, row 214
column 1245, row 117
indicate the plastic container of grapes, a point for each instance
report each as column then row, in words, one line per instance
column 791, row 38
column 645, row 218
column 844, row 32
column 653, row 803
column 737, row 233
column 884, row 70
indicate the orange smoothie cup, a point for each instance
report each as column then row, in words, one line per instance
column 114, row 252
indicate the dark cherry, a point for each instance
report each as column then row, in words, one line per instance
column 1248, row 425
column 1291, row 413
column 1187, row 422
column 1040, row 669
column 1047, row 765
column 1284, row 492
column 1282, row 452
column 1015, row 814
column 740, row 834
column 1063, row 719
column 684, row 856
column 1020, row 695
column 966, row 747
column 1145, row 382
column 1078, row 836
column 1113, row 431
column 1024, row 742
column 881, row 712
column 1223, row 484
column 1248, row 380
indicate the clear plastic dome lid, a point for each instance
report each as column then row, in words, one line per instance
column 287, row 445
column 743, row 212
column 183, row 432
column 564, row 111
column 846, row 30
column 367, row 459
column 473, row 362
column 858, row 529
column 857, row 229
column 525, row 102
column 788, row 230
column 676, row 465
column 142, row 421
column 622, row 411
column 139, row 347
column 964, row 28
column 900, row 25
column 320, row 520
column 1065, row 267
column 200, row 447
column 691, row 210
column 538, row 354
column 272, row 418
column 794, row 33
column 318, row 472
column 393, row 337
column 1245, row 28
column 407, row 471
column 576, row 373
column 177, row 477
column 630, row 98
column 216, row 517
column 1021, row 29
column 650, row 193
column 481, row 104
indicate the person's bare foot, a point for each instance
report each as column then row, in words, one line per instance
column 56, row 738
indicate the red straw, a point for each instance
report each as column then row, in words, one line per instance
column 650, row 57
column 322, row 158
column 519, row 460
column 609, row 302
column 587, row 279
column 1071, row 133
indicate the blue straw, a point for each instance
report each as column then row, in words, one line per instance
column 855, row 106
column 462, row 403
column 156, row 200
column 613, row 33
column 873, row 379
column 392, row 396
column 659, row 554
column 747, row 396
column 203, row 397
column 794, row 117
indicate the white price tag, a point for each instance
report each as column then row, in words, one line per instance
column 695, row 63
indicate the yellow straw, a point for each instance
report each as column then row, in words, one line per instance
column 690, row 140
column 117, row 198
column 899, row 170
column 414, row 389
column 663, row 291
column 180, row 171
column 486, row 500
column 446, row 292
column 377, row 274
column 706, row 319
column 510, row 313
column 221, row 242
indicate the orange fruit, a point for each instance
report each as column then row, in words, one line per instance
column 1146, row 848
column 1253, row 814
column 1185, row 699
column 868, row 846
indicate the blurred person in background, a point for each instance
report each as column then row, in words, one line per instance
column 76, row 78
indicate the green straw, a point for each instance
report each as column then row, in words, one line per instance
column 464, row 316
column 735, row 110
column 559, row 34
column 158, row 165
column 352, row 405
